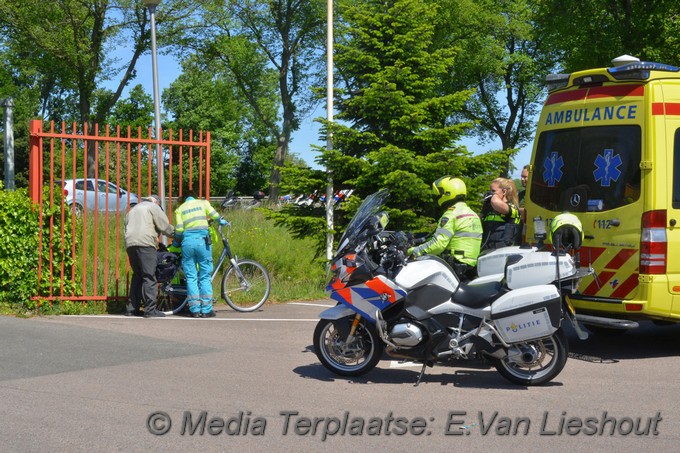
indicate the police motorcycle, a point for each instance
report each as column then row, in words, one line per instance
column 420, row 311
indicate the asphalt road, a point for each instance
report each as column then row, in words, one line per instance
column 251, row 383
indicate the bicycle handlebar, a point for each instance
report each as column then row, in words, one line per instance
column 219, row 229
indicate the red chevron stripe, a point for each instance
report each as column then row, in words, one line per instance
column 620, row 258
column 603, row 278
column 626, row 287
column 381, row 287
column 346, row 295
column 590, row 254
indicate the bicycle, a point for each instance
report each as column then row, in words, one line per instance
column 245, row 284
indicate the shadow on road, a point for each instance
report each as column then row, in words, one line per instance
column 466, row 374
column 647, row 341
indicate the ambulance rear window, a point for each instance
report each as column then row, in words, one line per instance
column 587, row 168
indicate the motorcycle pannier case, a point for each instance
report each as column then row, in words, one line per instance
column 527, row 313
column 493, row 261
column 538, row 268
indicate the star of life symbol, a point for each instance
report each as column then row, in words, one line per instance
column 552, row 169
column 607, row 167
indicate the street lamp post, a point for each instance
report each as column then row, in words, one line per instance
column 151, row 4
column 329, row 138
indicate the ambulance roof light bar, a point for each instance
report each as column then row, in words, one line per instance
column 627, row 67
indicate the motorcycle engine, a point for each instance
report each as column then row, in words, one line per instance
column 406, row 335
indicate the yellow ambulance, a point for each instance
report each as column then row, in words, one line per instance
column 607, row 149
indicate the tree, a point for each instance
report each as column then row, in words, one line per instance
column 505, row 59
column 205, row 97
column 66, row 43
column 395, row 126
column 402, row 134
column 288, row 36
column 590, row 34
column 135, row 111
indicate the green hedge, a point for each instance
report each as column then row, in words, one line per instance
column 19, row 246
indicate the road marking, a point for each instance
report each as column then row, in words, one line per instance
column 188, row 318
column 309, row 304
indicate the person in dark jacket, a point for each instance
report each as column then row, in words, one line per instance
column 500, row 215
column 143, row 224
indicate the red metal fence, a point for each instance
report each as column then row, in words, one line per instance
column 85, row 249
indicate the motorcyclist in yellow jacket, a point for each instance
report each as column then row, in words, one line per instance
column 192, row 230
column 458, row 236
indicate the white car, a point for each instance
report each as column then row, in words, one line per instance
column 79, row 193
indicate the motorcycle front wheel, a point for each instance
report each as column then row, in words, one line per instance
column 354, row 358
column 535, row 362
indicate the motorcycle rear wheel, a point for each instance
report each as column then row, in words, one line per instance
column 355, row 358
column 549, row 357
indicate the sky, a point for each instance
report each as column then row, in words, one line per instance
column 308, row 134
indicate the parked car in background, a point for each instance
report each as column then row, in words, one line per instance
column 99, row 193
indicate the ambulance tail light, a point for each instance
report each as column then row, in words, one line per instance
column 653, row 243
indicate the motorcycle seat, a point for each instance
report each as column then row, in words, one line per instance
column 477, row 296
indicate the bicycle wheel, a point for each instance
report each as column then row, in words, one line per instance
column 171, row 299
column 246, row 288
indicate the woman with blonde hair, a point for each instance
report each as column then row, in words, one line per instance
column 500, row 215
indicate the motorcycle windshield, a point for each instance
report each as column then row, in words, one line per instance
column 370, row 207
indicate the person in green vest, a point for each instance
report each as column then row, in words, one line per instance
column 458, row 236
column 192, row 231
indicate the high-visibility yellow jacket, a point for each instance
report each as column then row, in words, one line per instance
column 191, row 218
column 459, row 235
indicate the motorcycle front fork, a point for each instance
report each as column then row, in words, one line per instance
column 353, row 328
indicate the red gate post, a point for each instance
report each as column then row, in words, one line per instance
column 34, row 167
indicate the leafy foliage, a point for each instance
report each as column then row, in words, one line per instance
column 504, row 58
column 206, row 98
column 281, row 39
column 20, row 229
column 590, row 34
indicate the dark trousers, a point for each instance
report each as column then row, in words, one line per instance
column 143, row 288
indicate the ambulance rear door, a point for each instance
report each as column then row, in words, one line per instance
column 591, row 168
